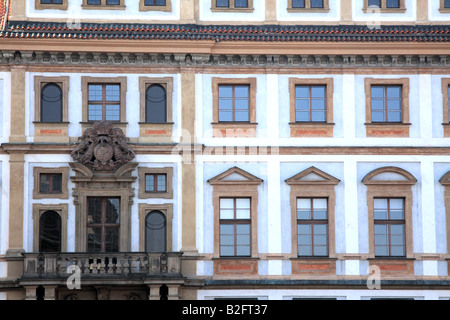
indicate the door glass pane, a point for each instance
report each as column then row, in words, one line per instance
column 94, row 238
column 112, row 211
column 111, row 240
column 94, row 211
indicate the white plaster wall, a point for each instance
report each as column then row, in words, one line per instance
column 5, row 106
column 434, row 14
column 75, row 101
column 333, row 15
column 131, row 12
column 258, row 14
column 373, row 18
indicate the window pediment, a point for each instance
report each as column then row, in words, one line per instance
column 389, row 175
column 312, row 175
column 235, row 175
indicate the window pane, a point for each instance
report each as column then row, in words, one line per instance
column 95, row 92
column 316, row 3
column 241, row 104
column 298, row 3
column 57, row 183
column 381, row 251
column 394, row 104
column 380, row 207
column 155, row 232
column 320, row 209
column 51, row 103
column 94, row 211
column 112, row 2
column 396, row 209
column 156, row 105
column 225, row 116
column 241, row 3
column 318, row 104
column 113, row 112
column 318, row 91
column 378, row 116
column 378, row 104
column 222, row 3
column 394, row 92
column 44, row 183
column 302, row 91
column 242, row 116
column 304, row 209
column 161, row 182
column 50, row 232
column 95, row 113
column 149, row 182
column 318, row 116
column 243, row 251
column 241, row 91
column 226, row 208
column 375, row 3
column 304, row 251
column 377, row 92
column 302, row 104
column 302, row 116
column 394, row 116
column 392, row 3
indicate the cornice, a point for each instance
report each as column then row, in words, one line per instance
column 323, row 60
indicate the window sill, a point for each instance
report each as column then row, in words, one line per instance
column 110, row 7
column 234, row 129
column 446, row 127
column 444, row 10
column 308, row 10
column 384, row 10
column 387, row 130
column 156, row 8
column 311, row 129
column 233, row 10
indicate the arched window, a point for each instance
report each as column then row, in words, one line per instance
column 50, row 232
column 155, row 104
column 51, row 103
column 155, row 232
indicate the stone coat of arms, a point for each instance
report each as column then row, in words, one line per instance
column 103, row 148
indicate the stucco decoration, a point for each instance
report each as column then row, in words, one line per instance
column 103, row 148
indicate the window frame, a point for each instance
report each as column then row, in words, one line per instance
column 313, row 222
column 103, row 225
column 384, row 9
column 64, row 194
column 443, row 8
column 144, row 171
column 232, row 7
column 312, row 128
column 155, row 182
column 44, row 6
column 234, row 129
column 388, row 129
column 143, row 210
column 103, row 5
column 38, row 210
column 446, row 107
column 390, row 189
column 39, row 83
column 166, row 8
column 390, row 222
column 234, row 222
column 86, row 81
column 51, row 178
column 308, row 8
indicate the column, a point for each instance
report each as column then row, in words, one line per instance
column 188, row 175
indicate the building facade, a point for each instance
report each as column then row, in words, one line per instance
column 210, row 149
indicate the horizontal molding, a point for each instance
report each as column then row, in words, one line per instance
column 317, row 61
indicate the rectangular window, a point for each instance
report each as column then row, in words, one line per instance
column 309, row 5
column 155, row 2
column 447, row 4
column 104, row 102
column 235, row 226
column 312, row 227
column 103, row 224
column 234, row 103
column 386, row 6
column 50, row 183
column 231, row 5
column 103, row 4
column 310, row 103
column 389, row 227
column 386, row 103
column 155, row 182
column 51, row 1
column 51, row 4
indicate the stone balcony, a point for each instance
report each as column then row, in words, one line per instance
column 123, row 265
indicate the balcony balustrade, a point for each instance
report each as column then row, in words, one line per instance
column 60, row 265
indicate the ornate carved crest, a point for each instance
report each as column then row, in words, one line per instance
column 103, row 148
